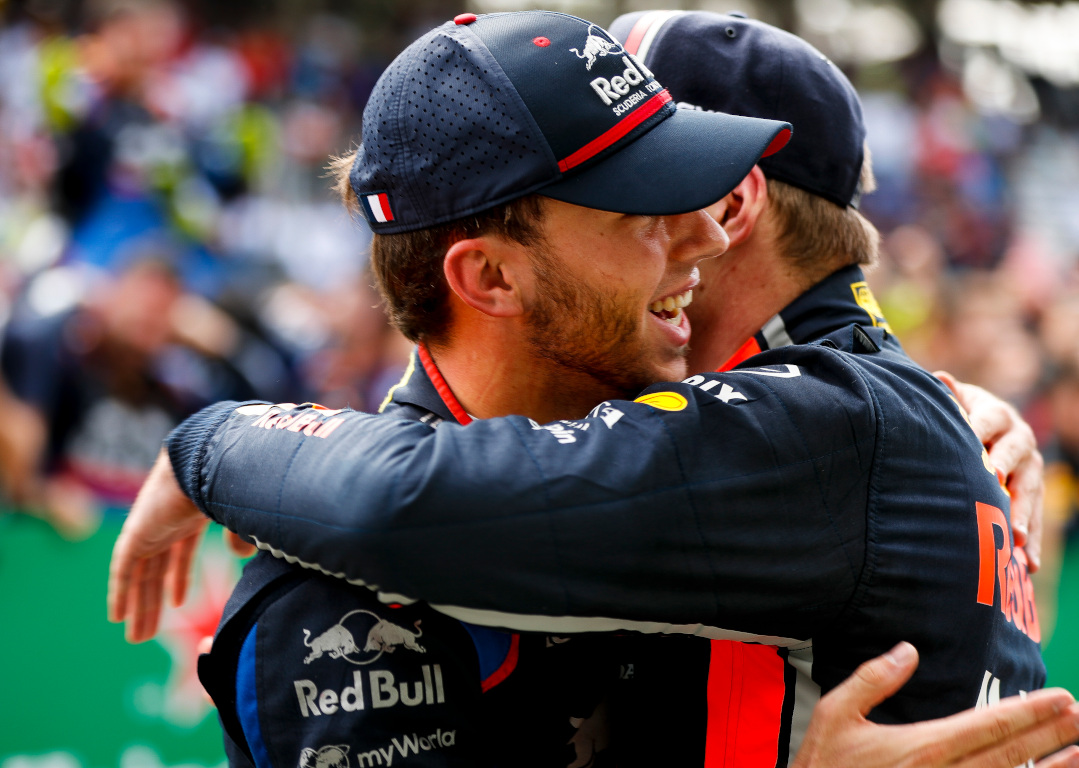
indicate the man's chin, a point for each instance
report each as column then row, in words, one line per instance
column 672, row 367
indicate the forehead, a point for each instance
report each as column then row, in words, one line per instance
column 588, row 242
column 555, row 215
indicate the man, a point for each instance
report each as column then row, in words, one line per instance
column 627, row 594
column 75, row 374
column 306, row 669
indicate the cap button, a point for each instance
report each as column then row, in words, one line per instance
column 464, row 18
column 737, row 14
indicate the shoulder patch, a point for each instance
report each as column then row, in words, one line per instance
column 865, row 299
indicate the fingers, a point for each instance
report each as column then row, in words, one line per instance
column 1065, row 758
column 876, row 680
column 137, row 539
column 996, row 734
column 120, row 573
column 1027, row 488
column 988, row 415
column 1044, row 737
column 949, row 381
column 179, row 572
column 992, row 419
column 154, row 550
column 1014, row 442
column 1013, row 450
column 1015, row 455
column 144, row 605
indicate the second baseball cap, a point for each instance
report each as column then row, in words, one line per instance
column 728, row 63
column 486, row 109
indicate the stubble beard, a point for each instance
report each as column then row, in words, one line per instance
column 587, row 332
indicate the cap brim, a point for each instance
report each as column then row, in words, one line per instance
column 687, row 162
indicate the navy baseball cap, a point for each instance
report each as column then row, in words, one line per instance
column 728, row 63
column 485, row 109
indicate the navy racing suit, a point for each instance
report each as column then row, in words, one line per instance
column 307, row 670
column 826, row 497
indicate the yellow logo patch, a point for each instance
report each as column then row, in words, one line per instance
column 665, row 401
column 867, row 301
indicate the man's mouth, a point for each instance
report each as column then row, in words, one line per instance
column 670, row 308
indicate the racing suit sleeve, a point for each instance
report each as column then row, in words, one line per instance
column 724, row 502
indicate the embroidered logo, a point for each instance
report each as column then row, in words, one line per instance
column 377, row 208
column 335, row 756
column 664, row 401
column 867, row 301
column 595, row 47
column 383, row 636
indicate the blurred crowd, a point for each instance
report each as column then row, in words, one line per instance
column 168, row 238
column 979, row 272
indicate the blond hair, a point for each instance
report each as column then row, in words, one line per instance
column 817, row 236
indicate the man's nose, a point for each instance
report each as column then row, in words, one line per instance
column 696, row 236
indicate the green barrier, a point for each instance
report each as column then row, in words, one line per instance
column 75, row 693
column 1061, row 658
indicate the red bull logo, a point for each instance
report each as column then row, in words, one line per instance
column 338, row 642
column 311, row 419
column 1004, row 571
column 595, row 47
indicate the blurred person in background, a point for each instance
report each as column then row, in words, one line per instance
column 983, row 336
column 908, row 282
column 97, row 382
column 94, row 406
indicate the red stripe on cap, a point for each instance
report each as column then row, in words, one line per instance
column 744, row 352
column 618, row 131
column 443, row 388
column 384, row 201
column 778, row 142
column 637, row 34
column 746, row 688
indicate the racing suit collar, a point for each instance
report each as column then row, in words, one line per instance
column 422, row 386
column 837, row 301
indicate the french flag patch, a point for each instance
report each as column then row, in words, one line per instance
column 377, row 207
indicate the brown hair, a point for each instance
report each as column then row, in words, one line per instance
column 817, row 236
column 407, row 266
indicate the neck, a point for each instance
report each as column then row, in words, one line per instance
column 739, row 292
column 495, row 374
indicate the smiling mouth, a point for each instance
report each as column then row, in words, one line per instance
column 670, row 308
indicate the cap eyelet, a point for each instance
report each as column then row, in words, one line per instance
column 731, row 32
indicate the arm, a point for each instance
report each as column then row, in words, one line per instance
column 581, row 500
column 1010, row 440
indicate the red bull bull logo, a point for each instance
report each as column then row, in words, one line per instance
column 595, row 47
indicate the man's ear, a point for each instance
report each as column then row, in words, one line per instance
column 739, row 211
column 484, row 273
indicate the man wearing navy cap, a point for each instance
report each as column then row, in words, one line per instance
column 825, row 499
column 462, row 133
